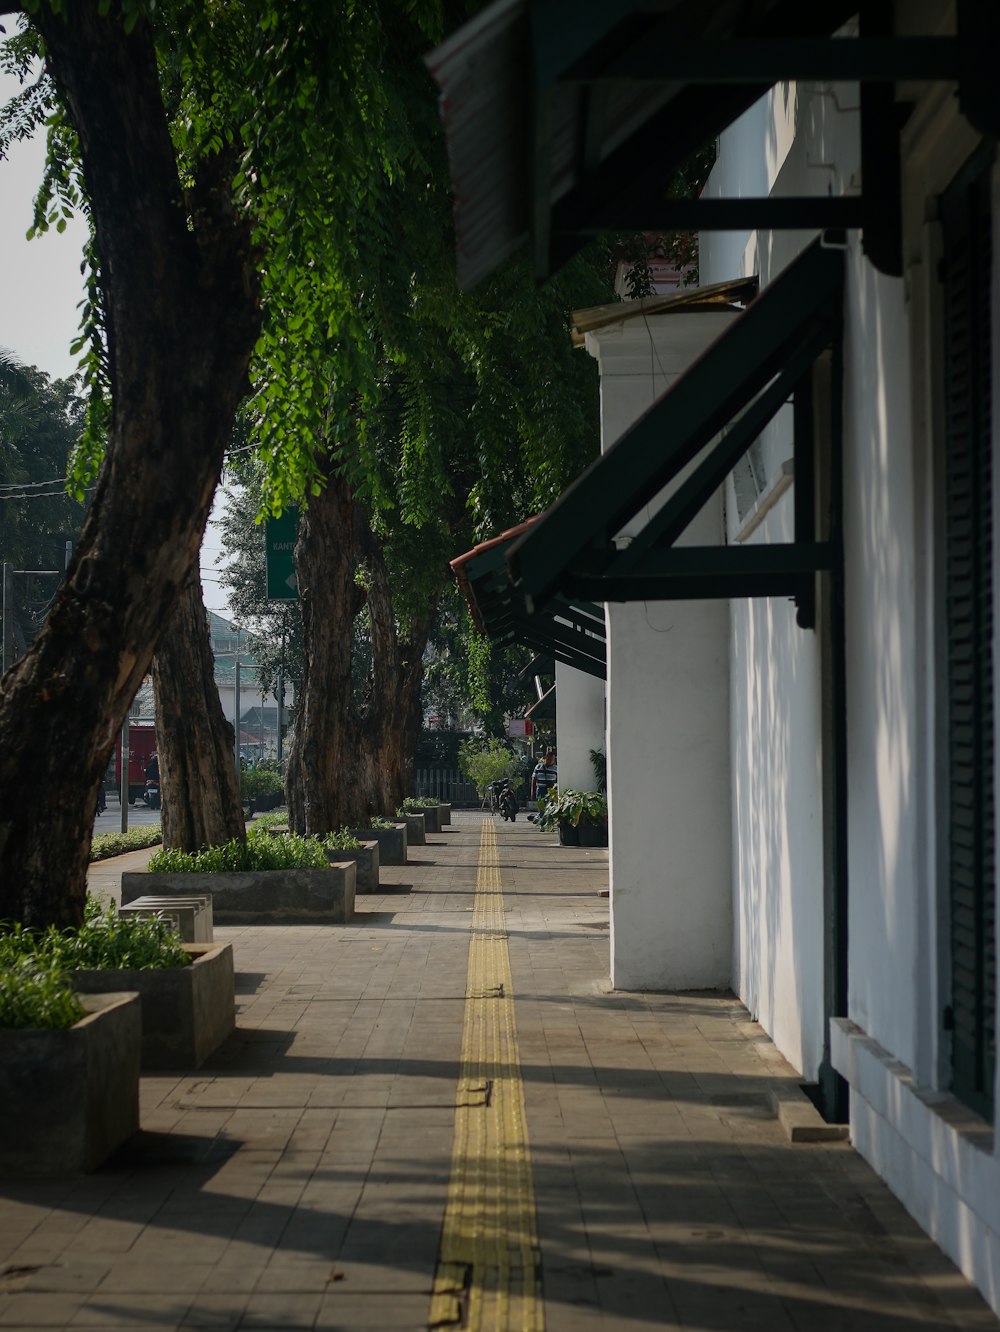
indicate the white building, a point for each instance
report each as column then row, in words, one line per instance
column 257, row 707
column 792, row 527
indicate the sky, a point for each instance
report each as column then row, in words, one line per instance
column 40, row 291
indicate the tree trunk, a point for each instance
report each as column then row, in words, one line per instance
column 182, row 317
column 346, row 762
column 198, row 781
column 322, row 780
column 394, row 714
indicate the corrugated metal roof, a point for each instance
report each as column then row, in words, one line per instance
column 486, row 74
column 547, row 127
column 717, row 295
column 478, row 71
column 572, row 632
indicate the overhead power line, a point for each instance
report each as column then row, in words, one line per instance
column 35, row 494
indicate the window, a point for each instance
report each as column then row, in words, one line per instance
column 966, row 272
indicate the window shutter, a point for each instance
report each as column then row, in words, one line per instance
column 967, row 220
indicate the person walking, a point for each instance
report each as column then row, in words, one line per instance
column 544, row 777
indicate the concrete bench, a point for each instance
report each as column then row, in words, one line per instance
column 191, row 917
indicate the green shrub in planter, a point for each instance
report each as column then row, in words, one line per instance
column 586, row 809
column 260, row 851
column 105, row 941
column 272, row 819
column 105, row 845
column 35, row 993
column 341, row 840
column 417, row 804
column 258, row 783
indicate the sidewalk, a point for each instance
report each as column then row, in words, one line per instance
column 300, row 1178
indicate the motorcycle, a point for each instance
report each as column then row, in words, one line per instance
column 151, row 795
column 502, row 798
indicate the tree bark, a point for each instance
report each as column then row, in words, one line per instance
column 321, row 780
column 348, row 762
column 182, row 316
column 394, row 712
column 198, row 782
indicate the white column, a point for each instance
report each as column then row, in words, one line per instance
column 579, row 725
column 668, row 718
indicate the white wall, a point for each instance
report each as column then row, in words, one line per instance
column 250, row 698
column 795, row 140
column 777, row 819
column 579, row 725
column 941, row 1160
column 668, row 744
column 883, row 659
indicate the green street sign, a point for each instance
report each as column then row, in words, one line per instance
column 279, row 546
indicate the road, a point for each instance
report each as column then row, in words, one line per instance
column 111, row 819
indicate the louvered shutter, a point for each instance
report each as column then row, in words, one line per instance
column 967, row 233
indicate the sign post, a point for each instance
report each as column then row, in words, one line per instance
column 279, row 547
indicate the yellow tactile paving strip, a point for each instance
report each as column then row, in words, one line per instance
column 489, row 1273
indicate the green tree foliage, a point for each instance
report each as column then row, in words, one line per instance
column 485, row 761
column 469, row 680
column 275, row 626
column 450, row 414
column 40, row 423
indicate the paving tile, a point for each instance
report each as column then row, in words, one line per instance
column 129, row 1309
column 215, row 1310
column 40, row 1309
column 288, row 1309
column 304, row 1169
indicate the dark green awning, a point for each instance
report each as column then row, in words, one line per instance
column 545, row 707
column 567, row 629
column 764, row 357
column 568, row 118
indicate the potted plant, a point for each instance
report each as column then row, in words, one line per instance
column 391, row 838
column 261, row 789
column 342, row 844
column 580, row 816
column 69, row 1068
column 187, row 990
column 430, row 809
column 265, row 880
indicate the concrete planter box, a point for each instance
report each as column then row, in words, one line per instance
column 367, row 860
column 267, row 897
column 432, row 818
column 416, row 829
column 187, row 1012
column 392, row 842
column 444, row 810
column 69, row 1098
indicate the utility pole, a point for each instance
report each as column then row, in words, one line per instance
column 281, row 691
column 236, row 703
column 123, row 787
column 8, row 616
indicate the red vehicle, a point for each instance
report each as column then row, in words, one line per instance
column 141, row 744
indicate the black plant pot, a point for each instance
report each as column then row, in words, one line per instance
column 592, row 835
column 568, row 834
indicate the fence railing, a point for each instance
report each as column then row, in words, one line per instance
column 446, row 784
